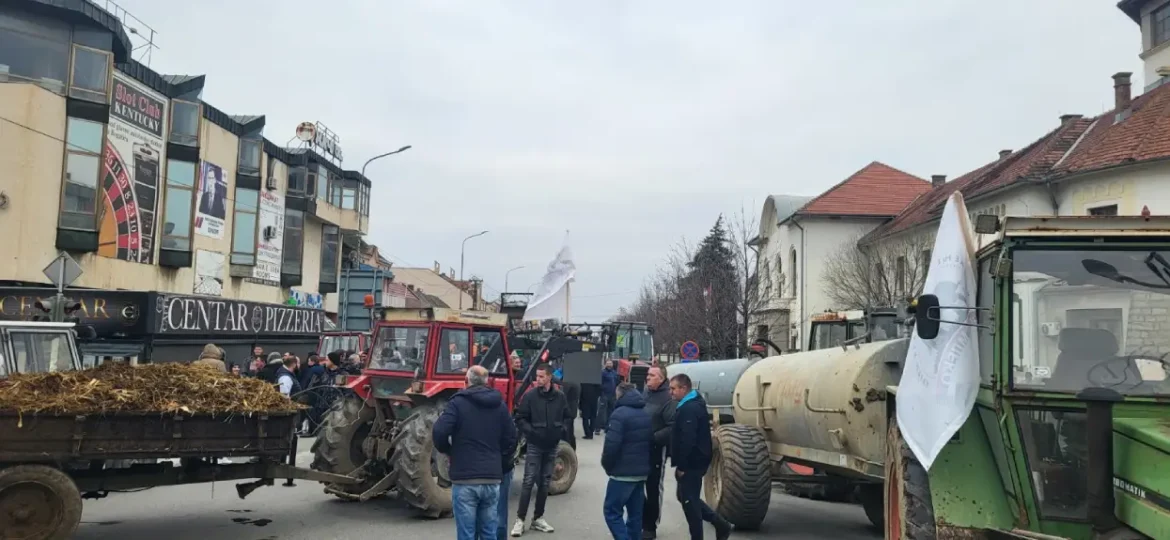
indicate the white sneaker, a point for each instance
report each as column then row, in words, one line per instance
column 539, row 524
column 518, row 528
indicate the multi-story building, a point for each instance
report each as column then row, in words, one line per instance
column 189, row 225
column 1153, row 16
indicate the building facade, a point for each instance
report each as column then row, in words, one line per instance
column 151, row 189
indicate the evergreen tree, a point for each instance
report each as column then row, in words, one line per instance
column 711, row 284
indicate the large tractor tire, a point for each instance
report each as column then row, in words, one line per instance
column 909, row 512
column 338, row 448
column 38, row 503
column 564, row 470
column 739, row 482
column 424, row 480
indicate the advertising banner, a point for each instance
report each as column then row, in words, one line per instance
column 209, row 270
column 131, row 172
column 269, row 239
column 193, row 315
column 211, row 211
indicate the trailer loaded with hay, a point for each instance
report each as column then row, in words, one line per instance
column 68, row 435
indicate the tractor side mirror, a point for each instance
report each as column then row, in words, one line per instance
column 924, row 323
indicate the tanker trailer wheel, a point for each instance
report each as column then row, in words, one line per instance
column 424, row 480
column 909, row 512
column 871, row 501
column 564, row 470
column 38, row 503
column 338, row 448
column 739, row 482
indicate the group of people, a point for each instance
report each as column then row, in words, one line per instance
column 641, row 432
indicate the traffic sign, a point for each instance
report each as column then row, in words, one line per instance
column 63, row 271
column 689, row 350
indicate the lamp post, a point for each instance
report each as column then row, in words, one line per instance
column 462, row 250
column 506, row 277
column 380, row 156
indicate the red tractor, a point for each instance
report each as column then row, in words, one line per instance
column 379, row 430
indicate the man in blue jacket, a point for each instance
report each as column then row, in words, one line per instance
column 626, row 459
column 690, row 453
column 609, row 382
column 477, row 433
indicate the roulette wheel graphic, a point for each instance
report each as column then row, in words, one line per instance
column 124, row 225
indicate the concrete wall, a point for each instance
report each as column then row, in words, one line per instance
column 1155, row 57
column 433, row 284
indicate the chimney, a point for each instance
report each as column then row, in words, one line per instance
column 1005, row 153
column 937, row 180
column 1064, row 118
column 1121, row 91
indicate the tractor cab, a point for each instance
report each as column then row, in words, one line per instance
column 836, row 328
column 633, row 350
column 343, row 341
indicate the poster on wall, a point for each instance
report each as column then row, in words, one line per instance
column 209, row 270
column 211, row 210
column 269, row 239
column 131, row 170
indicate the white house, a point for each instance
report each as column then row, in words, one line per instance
column 798, row 234
column 1153, row 16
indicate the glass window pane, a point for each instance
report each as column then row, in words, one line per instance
column 181, row 173
column 27, row 57
column 296, row 180
column 249, row 155
column 185, row 123
column 42, row 352
column 244, row 236
column 347, row 199
column 91, row 69
column 322, row 185
column 80, row 200
column 453, row 354
column 247, row 200
column 84, row 135
column 177, row 220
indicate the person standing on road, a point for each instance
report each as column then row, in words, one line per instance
column 690, row 453
column 626, row 459
column 609, row 382
column 475, row 431
column 509, row 466
column 661, row 407
column 211, row 357
column 542, row 415
column 590, row 392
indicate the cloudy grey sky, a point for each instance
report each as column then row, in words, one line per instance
column 634, row 123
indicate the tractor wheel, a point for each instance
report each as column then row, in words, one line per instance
column 871, row 501
column 909, row 512
column 564, row 470
column 423, row 473
column 38, row 503
column 739, row 482
column 338, row 448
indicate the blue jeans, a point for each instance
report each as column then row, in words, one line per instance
column 474, row 506
column 629, row 496
column 502, row 507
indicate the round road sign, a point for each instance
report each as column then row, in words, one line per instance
column 689, row 350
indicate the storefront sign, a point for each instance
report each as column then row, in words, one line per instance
column 195, row 315
column 327, row 142
column 108, row 312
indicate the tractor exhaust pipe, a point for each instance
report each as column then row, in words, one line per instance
column 1099, row 432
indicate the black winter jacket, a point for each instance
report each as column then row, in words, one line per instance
column 477, row 432
column 628, row 438
column 542, row 416
column 690, row 439
column 662, row 409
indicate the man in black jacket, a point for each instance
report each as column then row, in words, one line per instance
column 476, row 431
column 661, row 408
column 542, row 415
column 690, row 453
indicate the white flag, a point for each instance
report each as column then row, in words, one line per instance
column 941, row 376
column 551, row 300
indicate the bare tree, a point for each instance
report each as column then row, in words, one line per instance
column 881, row 274
column 754, row 280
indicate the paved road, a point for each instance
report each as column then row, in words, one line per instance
column 212, row 511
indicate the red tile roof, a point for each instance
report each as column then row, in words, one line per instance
column 1143, row 134
column 875, row 190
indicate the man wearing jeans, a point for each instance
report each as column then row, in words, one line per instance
column 476, row 432
column 690, row 453
column 626, row 459
column 542, row 415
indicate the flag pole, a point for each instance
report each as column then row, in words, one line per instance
column 568, row 302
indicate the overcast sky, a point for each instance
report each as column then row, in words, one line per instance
column 634, row 123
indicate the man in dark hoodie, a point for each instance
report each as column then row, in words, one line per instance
column 661, row 408
column 690, row 453
column 626, row 459
column 476, row 432
column 609, row 382
column 542, row 415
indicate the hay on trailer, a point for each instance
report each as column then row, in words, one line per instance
column 153, row 388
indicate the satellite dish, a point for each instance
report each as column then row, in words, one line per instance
column 306, row 131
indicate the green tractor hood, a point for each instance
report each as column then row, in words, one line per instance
column 1141, row 474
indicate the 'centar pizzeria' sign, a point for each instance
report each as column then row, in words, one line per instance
column 196, row 315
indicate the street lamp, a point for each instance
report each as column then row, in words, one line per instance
column 506, row 277
column 463, row 249
column 380, row 156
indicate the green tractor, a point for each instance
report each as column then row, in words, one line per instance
column 1070, row 433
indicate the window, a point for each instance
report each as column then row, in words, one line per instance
column 365, row 203
column 83, row 156
column 335, row 192
column 180, row 194
column 900, row 275
column 90, row 79
column 244, row 227
column 330, row 251
column 311, row 183
column 296, row 180
column 294, row 242
column 249, row 162
column 1056, row 446
column 40, row 352
column 402, row 348
column 185, row 122
column 488, row 351
column 348, row 199
column 453, row 352
column 762, row 331
column 1107, row 210
column 985, row 298
column 1160, row 26
column 34, row 49
column 322, row 182
column 792, row 265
